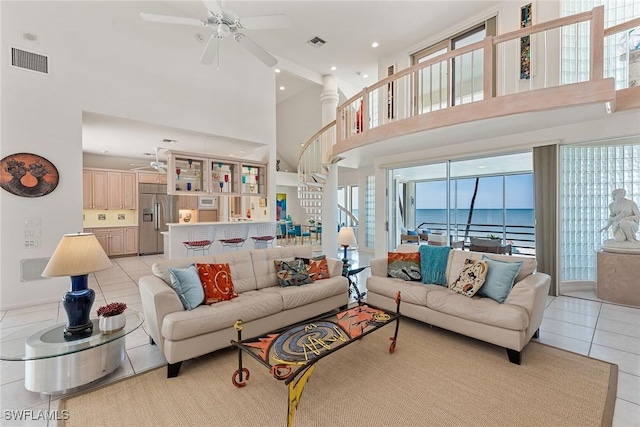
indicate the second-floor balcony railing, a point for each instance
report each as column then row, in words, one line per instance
column 494, row 71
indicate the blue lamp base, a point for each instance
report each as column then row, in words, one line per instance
column 77, row 303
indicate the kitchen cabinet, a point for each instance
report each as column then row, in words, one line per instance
column 152, row 178
column 122, row 190
column 131, row 240
column 253, row 179
column 213, row 176
column 187, row 202
column 94, row 189
column 111, row 240
column 186, row 174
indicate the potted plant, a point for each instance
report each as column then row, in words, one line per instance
column 112, row 317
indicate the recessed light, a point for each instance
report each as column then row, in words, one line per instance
column 364, row 76
column 481, row 167
column 333, row 68
column 281, row 87
column 301, row 144
column 105, row 151
column 241, row 152
column 374, row 44
column 232, row 155
column 277, row 70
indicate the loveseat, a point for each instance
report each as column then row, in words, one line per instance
column 262, row 304
column 510, row 324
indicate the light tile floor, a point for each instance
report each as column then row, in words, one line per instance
column 586, row 326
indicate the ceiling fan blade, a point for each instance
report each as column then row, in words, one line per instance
column 256, row 50
column 150, row 17
column 265, row 22
column 210, row 51
column 213, row 6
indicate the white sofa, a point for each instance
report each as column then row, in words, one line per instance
column 262, row 303
column 510, row 324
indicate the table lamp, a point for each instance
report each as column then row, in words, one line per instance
column 346, row 238
column 77, row 255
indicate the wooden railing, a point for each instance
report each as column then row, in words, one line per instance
column 466, row 76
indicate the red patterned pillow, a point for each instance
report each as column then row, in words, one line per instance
column 317, row 267
column 216, row 281
column 404, row 265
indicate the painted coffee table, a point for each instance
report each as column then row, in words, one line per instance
column 291, row 353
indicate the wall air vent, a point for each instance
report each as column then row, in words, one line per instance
column 316, row 42
column 29, row 61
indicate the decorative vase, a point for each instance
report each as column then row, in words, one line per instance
column 111, row 324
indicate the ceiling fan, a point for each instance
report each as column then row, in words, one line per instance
column 227, row 23
column 157, row 165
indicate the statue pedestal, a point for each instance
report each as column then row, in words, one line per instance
column 618, row 278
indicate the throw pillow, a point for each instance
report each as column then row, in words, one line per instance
column 433, row 264
column 471, row 278
column 292, row 273
column 186, row 283
column 404, row 265
column 412, row 233
column 500, row 278
column 216, row 281
column 317, row 267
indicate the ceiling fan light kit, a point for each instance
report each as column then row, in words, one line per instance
column 225, row 22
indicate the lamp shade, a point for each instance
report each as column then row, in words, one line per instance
column 346, row 237
column 77, row 254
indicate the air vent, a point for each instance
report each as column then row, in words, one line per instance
column 316, row 42
column 169, row 141
column 31, row 269
column 29, row 61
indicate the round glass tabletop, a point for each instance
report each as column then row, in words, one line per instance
column 43, row 340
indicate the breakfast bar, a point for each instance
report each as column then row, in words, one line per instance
column 179, row 233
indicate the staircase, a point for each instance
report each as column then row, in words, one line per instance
column 313, row 161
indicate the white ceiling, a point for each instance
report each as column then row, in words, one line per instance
column 348, row 27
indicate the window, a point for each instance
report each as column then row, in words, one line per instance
column 467, row 71
column 369, row 212
column 588, row 175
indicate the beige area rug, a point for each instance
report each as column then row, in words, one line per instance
column 434, row 378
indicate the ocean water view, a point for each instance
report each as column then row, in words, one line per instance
column 523, row 217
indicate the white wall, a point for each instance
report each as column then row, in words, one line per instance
column 298, row 118
column 102, row 60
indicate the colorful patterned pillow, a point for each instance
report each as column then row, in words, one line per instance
column 292, row 273
column 471, row 278
column 317, row 267
column 404, row 265
column 216, row 281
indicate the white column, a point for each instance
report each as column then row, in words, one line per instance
column 329, row 101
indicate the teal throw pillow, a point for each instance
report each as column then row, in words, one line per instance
column 500, row 278
column 292, row 273
column 186, row 282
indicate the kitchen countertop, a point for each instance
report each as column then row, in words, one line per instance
column 187, row 224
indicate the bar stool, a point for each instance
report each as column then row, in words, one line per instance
column 234, row 236
column 199, row 239
column 266, row 236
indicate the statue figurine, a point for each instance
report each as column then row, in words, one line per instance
column 624, row 218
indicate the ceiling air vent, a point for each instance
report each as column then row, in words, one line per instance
column 316, row 42
column 29, row 61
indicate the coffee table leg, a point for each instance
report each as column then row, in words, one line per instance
column 237, row 379
column 393, row 339
column 295, row 392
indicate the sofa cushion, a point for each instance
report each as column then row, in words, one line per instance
column 500, row 278
column 186, row 283
column 317, row 267
column 292, row 273
column 478, row 309
column 471, row 278
column 405, row 266
column 161, row 269
column 456, row 262
column 297, row 296
column 250, row 305
column 412, row 292
column 264, row 267
column 217, row 282
column 241, row 269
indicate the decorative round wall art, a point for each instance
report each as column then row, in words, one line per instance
column 28, row 175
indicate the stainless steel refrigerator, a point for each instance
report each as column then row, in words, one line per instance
column 155, row 210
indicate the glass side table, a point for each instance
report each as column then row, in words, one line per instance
column 55, row 365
